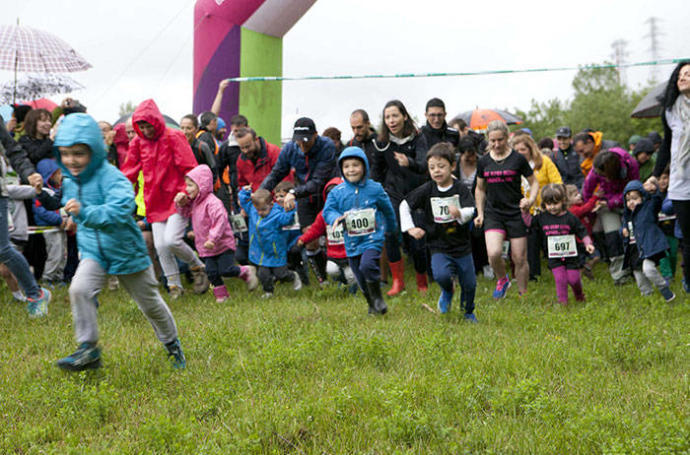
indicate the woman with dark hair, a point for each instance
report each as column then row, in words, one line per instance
column 400, row 166
column 36, row 142
column 675, row 149
column 611, row 171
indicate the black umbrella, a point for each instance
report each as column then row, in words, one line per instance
column 168, row 121
column 652, row 104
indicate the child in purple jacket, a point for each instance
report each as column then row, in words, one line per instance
column 213, row 236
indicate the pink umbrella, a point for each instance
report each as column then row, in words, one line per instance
column 24, row 49
column 41, row 103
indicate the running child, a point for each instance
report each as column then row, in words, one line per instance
column 56, row 240
column 641, row 228
column 213, row 236
column 293, row 232
column 561, row 233
column 369, row 220
column 586, row 213
column 448, row 208
column 337, row 266
column 267, row 242
column 101, row 201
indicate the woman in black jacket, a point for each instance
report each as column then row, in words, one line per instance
column 400, row 166
column 36, row 142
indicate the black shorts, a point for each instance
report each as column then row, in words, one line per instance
column 307, row 209
column 511, row 227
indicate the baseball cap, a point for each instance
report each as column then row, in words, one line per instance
column 644, row 145
column 564, row 131
column 303, row 130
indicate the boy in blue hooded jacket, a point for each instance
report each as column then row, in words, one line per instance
column 100, row 200
column 56, row 241
column 643, row 234
column 367, row 213
column 268, row 243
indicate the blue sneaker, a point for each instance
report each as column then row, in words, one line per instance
column 86, row 357
column 176, row 355
column 38, row 308
column 502, row 286
column 471, row 318
column 445, row 301
column 667, row 293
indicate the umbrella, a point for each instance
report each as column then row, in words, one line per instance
column 24, row 49
column 479, row 119
column 32, row 86
column 168, row 121
column 6, row 112
column 41, row 103
column 651, row 106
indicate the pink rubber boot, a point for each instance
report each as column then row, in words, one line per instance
column 221, row 293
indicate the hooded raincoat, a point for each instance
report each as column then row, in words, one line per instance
column 42, row 216
column 649, row 237
column 365, row 194
column 208, row 214
column 165, row 160
column 107, row 232
column 613, row 189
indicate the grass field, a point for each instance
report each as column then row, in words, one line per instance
column 311, row 373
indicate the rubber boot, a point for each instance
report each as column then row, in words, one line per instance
column 220, row 293
column 318, row 265
column 370, row 301
column 398, row 272
column 376, row 298
column 422, row 283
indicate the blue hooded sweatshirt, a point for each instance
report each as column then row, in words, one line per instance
column 365, row 194
column 42, row 216
column 267, row 241
column 649, row 237
column 107, row 232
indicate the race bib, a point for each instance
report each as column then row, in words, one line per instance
column 294, row 225
column 335, row 235
column 631, row 234
column 664, row 217
column 239, row 225
column 360, row 222
column 561, row 246
column 440, row 208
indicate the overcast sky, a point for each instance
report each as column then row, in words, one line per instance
column 143, row 49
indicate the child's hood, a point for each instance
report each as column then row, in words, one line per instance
column 148, row 111
column 203, row 177
column 635, row 185
column 47, row 167
column 121, row 137
column 354, row 152
column 80, row 129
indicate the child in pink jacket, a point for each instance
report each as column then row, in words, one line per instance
column 213, row 236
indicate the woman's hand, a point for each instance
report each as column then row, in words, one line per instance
column 402, row 159
column 479, row 220
column 416, row 233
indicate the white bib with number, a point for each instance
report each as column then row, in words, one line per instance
column 335, row 235
column 561, row 246
column 440, row 208
column 238, row 223
column 294, row 226
column 360, row 222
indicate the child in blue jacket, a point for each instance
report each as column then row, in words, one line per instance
column 367, row 213
column 268, row 244
column 56, row 241
column 641, row 228
column 100, row 200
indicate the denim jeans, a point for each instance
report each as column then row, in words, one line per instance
column 13, row 259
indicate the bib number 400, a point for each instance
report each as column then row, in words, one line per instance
column 361, row 222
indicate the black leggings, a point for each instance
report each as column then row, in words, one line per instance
column 682, row 209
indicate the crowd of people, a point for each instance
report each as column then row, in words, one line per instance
column 141, row 203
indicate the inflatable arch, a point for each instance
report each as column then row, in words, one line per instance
column 241, row 38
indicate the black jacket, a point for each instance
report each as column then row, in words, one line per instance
column 36, row 149
column 443, row 134
column 397, row 180
column 369, row 146
column 17, row 156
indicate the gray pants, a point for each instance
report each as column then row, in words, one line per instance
column 168, row 239
column 647, row 276
column 56, row 255
column 141, row 286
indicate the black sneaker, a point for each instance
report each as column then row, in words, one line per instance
column 86, row 357
column 667, row 293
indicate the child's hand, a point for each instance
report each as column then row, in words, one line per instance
column 181, row 199
column 289, row 202
column 73, row 207
column 479, row 221
column 209, row 244
column 625, row 232
column 416, row 233
column 243, row 213
column 454, row 211
column 36, row 181
column 525, row 204
column 300, row 243
column 247, row 188
column 71, row 226
column 599, row 205
column 589, row 248
column 141, row 224
column 649, row 187
column 190, row 235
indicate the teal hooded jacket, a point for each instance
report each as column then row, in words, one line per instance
column 106, row 230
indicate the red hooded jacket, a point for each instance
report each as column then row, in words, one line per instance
column 121, row 142
column 254, row 172
column 165, row 160
column 335, row 244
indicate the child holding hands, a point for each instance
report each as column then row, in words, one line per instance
column 213, row 236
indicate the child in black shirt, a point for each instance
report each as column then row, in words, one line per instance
column 448, row 207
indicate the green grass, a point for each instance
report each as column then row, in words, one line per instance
column 311, row 373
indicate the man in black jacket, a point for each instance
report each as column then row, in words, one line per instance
column 567, row 160
column 364, row 133
column 436, row 129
